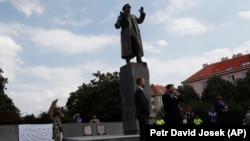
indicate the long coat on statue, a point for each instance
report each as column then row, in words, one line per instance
column 131, row 44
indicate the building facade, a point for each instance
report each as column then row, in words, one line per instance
column 228, row 69
column 156, row 92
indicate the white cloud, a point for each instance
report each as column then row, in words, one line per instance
column 244, row 15
column 28, row 7
column 34, row 100
column 68, row 42
column 162, row 43
column 66, row 19
column 52, row 74
column 172, row 23
column 110, row 17
column 177, row 6
column 155, row 47
column 171, row 71
column 52, row 83
column 152, row 49
column 94, row 66
column 244, row 49
column 60, row 40
column 9, row 59
column 69, row 22
column 227, row 24
column 186, row 26
column 174, row 8
column 10, row 29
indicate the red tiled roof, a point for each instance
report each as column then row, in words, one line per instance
column 220, row 67
column 157, row 89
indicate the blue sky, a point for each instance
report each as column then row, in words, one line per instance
column 50, row 47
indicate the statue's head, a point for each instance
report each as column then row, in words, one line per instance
column 126, row 6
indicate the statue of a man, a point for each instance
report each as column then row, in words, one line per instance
column 131, row 44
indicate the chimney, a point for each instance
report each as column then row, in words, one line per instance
column 224, row 59
column 239, row 54
column 204, row 65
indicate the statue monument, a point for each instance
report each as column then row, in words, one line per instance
column 131, row 46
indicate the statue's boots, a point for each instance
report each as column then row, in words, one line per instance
column 139, row 60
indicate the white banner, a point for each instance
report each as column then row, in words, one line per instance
column 35, row 132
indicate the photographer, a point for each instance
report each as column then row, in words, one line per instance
column 57, row 125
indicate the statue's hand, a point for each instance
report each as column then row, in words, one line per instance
column 122, row 15
column 141, row 10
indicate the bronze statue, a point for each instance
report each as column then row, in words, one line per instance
column 131, row 44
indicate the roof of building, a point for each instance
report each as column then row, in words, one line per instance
column 157, row 89
column 236, row 62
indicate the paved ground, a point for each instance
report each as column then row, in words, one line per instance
column 104, row 138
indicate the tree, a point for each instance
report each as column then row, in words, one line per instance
column 188, row 94
column 9, row 113
column 217, row 85
column 3, row 81
column 101, row 97
column 243, row 89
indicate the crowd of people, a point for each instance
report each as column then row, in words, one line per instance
column 176, row 115
column 57, row 128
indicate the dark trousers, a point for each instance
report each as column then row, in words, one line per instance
column 142, row 125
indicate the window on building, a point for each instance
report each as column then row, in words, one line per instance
column 160, row 101
column 230, row 78
column 152, row 99
column 244, row 74
column 153, row 107
column 204, row 84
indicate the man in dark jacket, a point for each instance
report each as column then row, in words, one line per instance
column 171, row 106
column 142, row 107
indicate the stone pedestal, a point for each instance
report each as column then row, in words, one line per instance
column 128, row 75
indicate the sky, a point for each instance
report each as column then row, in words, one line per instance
column 48, row 48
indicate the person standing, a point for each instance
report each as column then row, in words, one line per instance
column 197, row 120
column 189, row 115
column 171, row 105
column 159, row 121
column 77, row 118
column 221, row 109
column 141, row 107
column 247, row 117
column 131, row 44
column 94, row 119
column 212, row 116
column 56, row 125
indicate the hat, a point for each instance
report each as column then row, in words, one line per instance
column 125, row 6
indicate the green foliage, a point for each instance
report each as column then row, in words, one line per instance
column 9, row 113
column 217, row 85
column 29, row 119
column 242, row 89
column 101, row 97
column 43, row 117
column 188, row 94
column 3, row 81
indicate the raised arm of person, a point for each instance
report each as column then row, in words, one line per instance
column 61, row 114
